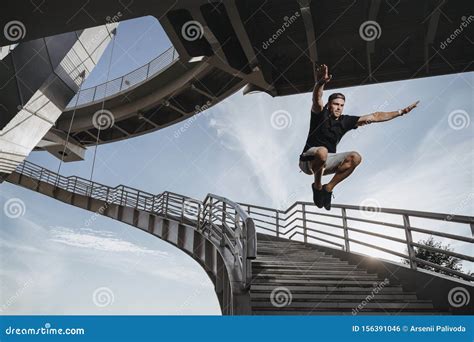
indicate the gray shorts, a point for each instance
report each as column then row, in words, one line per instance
column 332, row 163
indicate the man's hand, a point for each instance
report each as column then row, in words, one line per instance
column 408, row 109
column 322, row 74
column 322, row 77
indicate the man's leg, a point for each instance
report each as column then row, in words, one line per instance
column 344, row 170
column 317, row 166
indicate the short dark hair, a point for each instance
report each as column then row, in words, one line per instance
column 336, row 96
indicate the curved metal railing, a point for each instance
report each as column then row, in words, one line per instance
column 234, row 226
column 126, row 81
column 222, row 220
column 355, row 227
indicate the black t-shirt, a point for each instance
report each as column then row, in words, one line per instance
column 325, row 130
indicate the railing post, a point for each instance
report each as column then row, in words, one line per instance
column 199, row 217
column 210, row 217
column 305, row 235
column 147, row 71
column 183, row 209
column 410, row 249
column 277, row 223
column 224, row 207
column 121, row 197
column 346, row 231
column 166, row 204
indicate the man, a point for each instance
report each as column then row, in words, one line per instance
column 328, row 125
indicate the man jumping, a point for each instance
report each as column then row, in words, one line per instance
column 328, row 125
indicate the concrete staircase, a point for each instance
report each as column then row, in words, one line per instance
column 291, row 278
column 264, row 274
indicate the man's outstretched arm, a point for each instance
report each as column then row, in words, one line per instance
column 384, row 116
column 322, row 77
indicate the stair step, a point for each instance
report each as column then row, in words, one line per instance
column 313, row 288
column 284, row 244
column 286, row 248
column 303, row 312
column 291, row 259
column 382, row 306
column 266, row 240
column 316, row 281
column 303, row 267
column 399, row 296
column 278, row 263
column 306, row 260
column 288, row 251
column 298, row 271
column 295, row 255
column 365, row 277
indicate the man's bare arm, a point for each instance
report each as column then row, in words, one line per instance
column 384, row 116
column 323, row 77
column 318, row 97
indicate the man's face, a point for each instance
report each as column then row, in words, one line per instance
column 336, row 106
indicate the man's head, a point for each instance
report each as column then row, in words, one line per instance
column 336, row 104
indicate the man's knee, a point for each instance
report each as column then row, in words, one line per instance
column 354, row 158
column 321, row 154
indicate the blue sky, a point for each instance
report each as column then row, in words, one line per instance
column 54, row 257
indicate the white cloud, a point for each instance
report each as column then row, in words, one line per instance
column 98, row 240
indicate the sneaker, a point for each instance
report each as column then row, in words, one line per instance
column 317, row 197
column 326, row 196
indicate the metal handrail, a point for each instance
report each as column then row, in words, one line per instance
column 233, row 225
column 115, row 86
column 235, row 231
column 302, row 221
